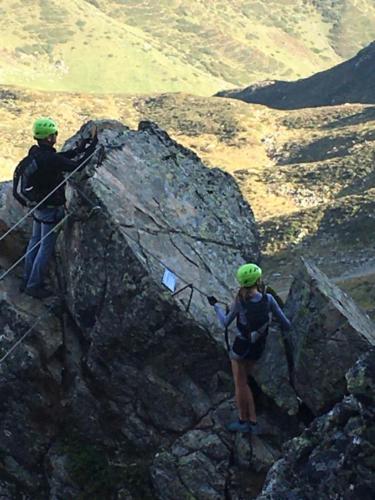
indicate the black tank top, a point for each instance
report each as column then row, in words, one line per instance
column 256, row 313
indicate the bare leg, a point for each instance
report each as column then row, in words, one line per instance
column 244, row 395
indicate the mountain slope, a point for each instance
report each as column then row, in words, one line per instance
column 199, row 47
column 351, row 81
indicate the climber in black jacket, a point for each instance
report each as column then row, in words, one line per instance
column 51, row 166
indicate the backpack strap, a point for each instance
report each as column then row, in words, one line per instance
column 263, row 330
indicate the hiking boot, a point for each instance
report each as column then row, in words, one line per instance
column 38, row 292
column 239, row 426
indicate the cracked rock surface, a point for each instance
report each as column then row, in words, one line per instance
column 330, row 332
column 159, row 203
column 335, row 456
column 157, row 196
column 30, row 390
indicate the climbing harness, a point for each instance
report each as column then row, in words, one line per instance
column 226, row 331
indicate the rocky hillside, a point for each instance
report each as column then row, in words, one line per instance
column 197, row 47
column 349, row 82
column 121, row 389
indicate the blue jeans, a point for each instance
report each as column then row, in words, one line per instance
column 39, row 253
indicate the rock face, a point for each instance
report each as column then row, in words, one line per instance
column 208, row 463
column 329, row 334
column 196, row 465
column 350, row 81
column 130, row 369
column 272, row 373
column 335, row 456
column 30, row 389
column 123, row 390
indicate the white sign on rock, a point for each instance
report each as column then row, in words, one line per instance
column 169, row 280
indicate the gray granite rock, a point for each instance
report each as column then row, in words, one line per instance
column 196, row 466
column 272, row 375
column 334, row 457
column 159, row 203
column 127, row 391
column 30, row 386
column 329, row 334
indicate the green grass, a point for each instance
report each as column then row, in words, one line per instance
column 147, row 47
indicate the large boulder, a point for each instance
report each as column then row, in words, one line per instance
column 167, row 210
column 160, row 208
column 335, row 456
column 154, row 364
column 329, row 334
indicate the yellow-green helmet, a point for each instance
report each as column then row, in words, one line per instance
column 248, row 274
column 44, row 127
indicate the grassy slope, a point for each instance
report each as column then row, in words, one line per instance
column 198, row 47
column 77, row 47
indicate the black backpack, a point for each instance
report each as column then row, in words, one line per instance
column 25, row 189
column 258, row 316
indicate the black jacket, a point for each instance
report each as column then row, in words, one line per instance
column 51, row 166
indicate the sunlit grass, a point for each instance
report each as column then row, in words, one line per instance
column 147, row 46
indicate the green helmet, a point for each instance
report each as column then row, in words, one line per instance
column 248, row 274
column 44, row 127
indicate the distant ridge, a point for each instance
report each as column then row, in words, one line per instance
column 349, row 82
